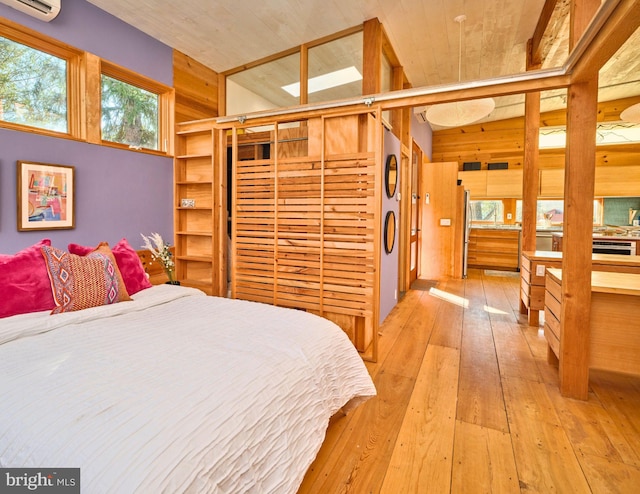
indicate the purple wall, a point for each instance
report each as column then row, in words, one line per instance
column 389, row 262
column 423, row 135
column 119, row 193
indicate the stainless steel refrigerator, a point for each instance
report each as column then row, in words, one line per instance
column 466, row 215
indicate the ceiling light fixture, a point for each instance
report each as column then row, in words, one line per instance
column 458, row 113
column 631, row 114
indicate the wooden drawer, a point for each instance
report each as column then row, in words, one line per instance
column 552, row 339
column 536, row 297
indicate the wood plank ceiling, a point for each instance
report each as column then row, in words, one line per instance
column 226, row 34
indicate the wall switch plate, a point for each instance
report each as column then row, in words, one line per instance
column 426, row 198
column 445, row 222
column 540, row 268
column 509, row 216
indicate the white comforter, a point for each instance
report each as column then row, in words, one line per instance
column 174, row 392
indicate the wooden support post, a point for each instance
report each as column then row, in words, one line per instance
column 575, row 318
column 579, row 180
column 530, row 178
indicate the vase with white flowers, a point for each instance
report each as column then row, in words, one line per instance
column 160, row 252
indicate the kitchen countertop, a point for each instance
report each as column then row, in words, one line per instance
column 605, row 282
column 600, row 236
column 597, row 259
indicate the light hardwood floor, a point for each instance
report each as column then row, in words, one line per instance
column 467, row 403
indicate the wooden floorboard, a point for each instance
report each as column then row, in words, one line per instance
column 467, row 403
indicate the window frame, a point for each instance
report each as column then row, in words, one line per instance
column 165, row 105
column 84, row 101
column 74, row 60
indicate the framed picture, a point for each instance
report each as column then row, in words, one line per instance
column 45, row 196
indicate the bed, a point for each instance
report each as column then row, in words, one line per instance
column 174, row 391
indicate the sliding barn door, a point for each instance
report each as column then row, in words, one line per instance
column 306, row 222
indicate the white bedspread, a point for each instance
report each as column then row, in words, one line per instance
column 174, row 392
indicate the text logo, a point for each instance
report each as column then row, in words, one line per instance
column 40, row 480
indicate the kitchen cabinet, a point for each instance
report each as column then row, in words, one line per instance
column 504, row 183
column 494, row 248
column 614, row 181
column 610, row 181
column 475, row 182
column 614, row 330
column 551, row 183
column 533, row 271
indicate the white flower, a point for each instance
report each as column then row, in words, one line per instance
column 160, row 252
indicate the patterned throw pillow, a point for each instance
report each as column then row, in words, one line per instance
column 133, row 273
column 81, row 282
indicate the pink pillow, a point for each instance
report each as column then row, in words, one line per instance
column 129, row 264
column 25, row 285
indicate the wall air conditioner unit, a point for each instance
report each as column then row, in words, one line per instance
column 421, row 114
column 44, row 10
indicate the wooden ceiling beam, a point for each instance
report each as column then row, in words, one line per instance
column 621, row 24
column 535, row 55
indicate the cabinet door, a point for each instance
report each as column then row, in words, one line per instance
column 617, row 181
column 475, row 182
column 552, row 183
column 504, row 183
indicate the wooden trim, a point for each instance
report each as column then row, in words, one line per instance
column 74, row 60
column 92, row 99
column 304, row 74
column 291, row 51
column 372, row 57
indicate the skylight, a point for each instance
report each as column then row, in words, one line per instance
column 326, row 81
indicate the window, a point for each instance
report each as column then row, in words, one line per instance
column 34, row 81
column 134, row 111
column 551, row 212
column 50, row 88
column 487, row 211
column 129, row 114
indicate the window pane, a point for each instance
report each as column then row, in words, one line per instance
column 551, row 212
column 33, row 87
column 335, row 69
column 271, row 85
column 487, row 211
column 129, row 114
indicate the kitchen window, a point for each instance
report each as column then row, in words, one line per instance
column 491, row 211
column 551, row 212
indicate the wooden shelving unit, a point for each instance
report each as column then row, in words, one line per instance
column 197, row 244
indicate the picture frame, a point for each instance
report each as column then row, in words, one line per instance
column 46, row 196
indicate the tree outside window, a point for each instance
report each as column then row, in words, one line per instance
column 129, row 114
column 33, row 87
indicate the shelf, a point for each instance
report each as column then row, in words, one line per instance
column 193, row 182
column 197, row 234
column 195, row 208
column 193, row 132
column 195, row 258
column 189, row 156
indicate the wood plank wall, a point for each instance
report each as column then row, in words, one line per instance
column 196, row 89
column 503, row 140
column 306, row 224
